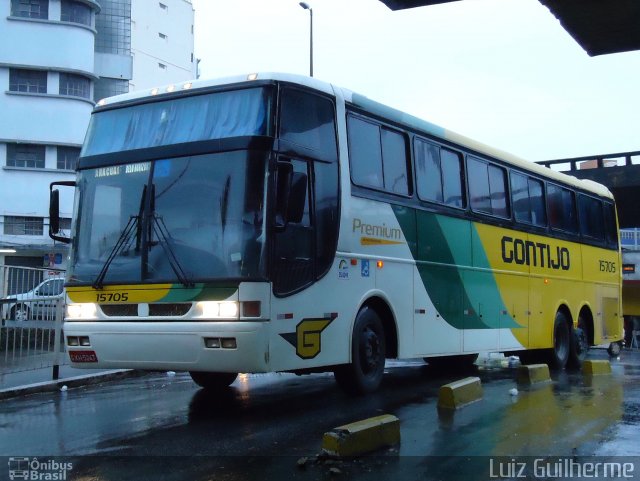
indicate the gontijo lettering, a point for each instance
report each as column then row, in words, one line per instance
column 537, row 254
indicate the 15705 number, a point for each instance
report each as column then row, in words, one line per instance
column 112, row 297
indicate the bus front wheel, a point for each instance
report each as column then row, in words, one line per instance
column 213, row 380
column 558, row 355
column 365, row 372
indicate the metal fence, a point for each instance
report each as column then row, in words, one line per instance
column 32, row 310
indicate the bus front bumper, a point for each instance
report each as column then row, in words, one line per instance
column 178, row 346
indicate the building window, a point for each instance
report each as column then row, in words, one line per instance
column 68, row 158
column 32, row 81
column 30, row 8
column 23, row 225
column 25, row 155
column 108, row 87
column 74, row 85
column 114, row 27
column 75, row 12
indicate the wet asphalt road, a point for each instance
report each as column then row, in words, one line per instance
column 163, row 427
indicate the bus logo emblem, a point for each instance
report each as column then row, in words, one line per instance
column 308, row 336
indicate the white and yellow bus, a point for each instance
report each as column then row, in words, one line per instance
column 279, row 223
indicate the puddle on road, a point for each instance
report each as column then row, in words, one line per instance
column 554, row 418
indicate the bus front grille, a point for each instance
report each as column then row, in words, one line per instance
column 155, row 310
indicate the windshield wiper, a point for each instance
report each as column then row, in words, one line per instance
column 125, row 238
column 124, row 241
column 162, row 233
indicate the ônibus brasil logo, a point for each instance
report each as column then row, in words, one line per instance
column 36, row 470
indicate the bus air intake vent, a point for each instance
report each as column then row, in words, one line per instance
column 155, row 310
column 169, row 309
column 119, row 310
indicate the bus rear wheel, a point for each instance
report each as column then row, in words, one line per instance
column 213, row 380
column 579, row 345
column 365, row 372
column 558, row 355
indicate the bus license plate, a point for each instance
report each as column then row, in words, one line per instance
column 83, row 356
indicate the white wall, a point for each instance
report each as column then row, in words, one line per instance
column 49, row 119
column 149, row 49
column 46, row 44
column 42, row 118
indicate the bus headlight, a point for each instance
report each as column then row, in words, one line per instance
column 218, row 309
column 81, row 311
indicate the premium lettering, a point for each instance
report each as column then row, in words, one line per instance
column 537, row 254
column 381, row 231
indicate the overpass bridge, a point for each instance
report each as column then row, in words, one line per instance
column 599, row 26
column 620, row 172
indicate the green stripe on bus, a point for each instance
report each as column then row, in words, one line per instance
column 463, row 292
column 200, row 292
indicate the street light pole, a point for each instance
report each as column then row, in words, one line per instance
column 306, row 6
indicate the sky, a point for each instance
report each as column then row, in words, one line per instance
column 503, row 72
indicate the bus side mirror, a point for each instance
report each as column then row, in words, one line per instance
column 54, row 211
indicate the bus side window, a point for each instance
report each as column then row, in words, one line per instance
column 365, row 153
column 591, row 217
column 611, row 228
column 562, row 208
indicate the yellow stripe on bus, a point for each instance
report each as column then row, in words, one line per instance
column 121, row 293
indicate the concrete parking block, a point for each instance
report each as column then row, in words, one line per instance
column 362, row 437
column 533, row 373
column 460, row 393
column 594, row 367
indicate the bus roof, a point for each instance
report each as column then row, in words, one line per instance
column 376, row 108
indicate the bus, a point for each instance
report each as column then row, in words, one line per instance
column 278, row 223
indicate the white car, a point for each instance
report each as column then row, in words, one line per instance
column 38, row 303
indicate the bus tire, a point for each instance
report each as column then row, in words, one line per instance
column 213, row 380
column 579, row 345
column 558, row 355
column 365, row 372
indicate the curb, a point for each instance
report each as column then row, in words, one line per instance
column 533, row 374
column 459, row 393
column 362, row 437
column 596, row 367
column 71, row 382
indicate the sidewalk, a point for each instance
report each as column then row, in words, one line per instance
column 39, row 380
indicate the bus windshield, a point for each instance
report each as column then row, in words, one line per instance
column 183, row 219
